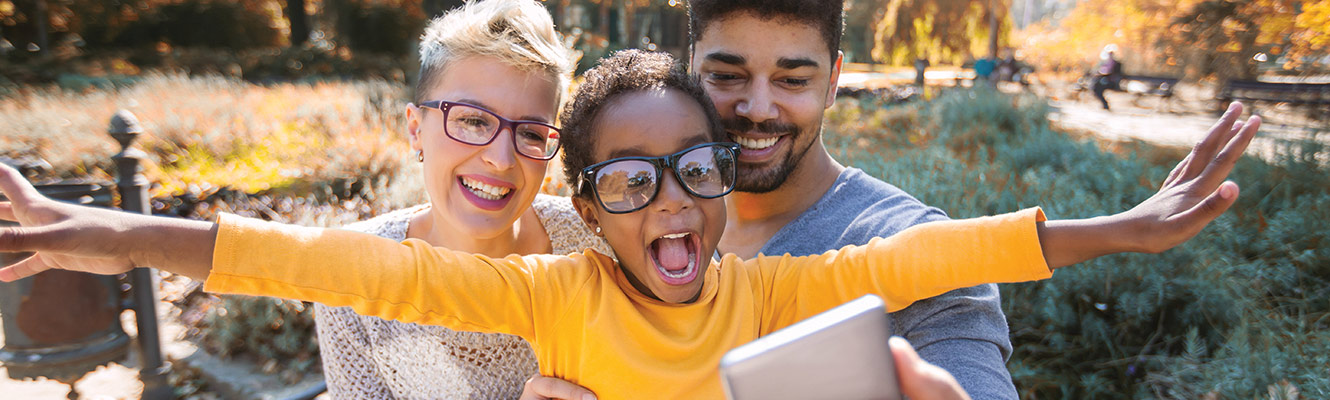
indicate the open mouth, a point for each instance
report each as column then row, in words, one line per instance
column 485, row 191
column 485, row 196
column 676, row 257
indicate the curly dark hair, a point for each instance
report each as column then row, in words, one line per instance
column 624, row 72
column 828, row 16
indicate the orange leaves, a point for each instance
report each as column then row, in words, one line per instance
column 1165, row 34
column 1312, row 34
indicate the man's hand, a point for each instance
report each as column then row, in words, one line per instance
column 1194, row 194
column 920, row 380
column 547, row 388
column 100, row 241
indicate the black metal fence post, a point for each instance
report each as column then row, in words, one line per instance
column 133, row 188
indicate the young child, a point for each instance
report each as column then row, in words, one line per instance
column 643, row 147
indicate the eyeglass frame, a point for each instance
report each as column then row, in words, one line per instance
column 588, row 175
column 511, row 125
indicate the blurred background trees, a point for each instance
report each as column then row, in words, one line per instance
column 147, row 32
column 939, row 30
column 1199, row 38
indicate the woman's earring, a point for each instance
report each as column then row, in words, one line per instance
column 420, row 155
column 597, row 230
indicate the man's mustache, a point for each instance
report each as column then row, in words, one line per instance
column 746, row 125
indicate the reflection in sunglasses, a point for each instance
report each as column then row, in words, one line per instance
column 628, row 184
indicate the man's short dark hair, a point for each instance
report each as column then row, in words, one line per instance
column 826, row 15
column 624, row 72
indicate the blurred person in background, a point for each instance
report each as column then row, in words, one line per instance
column 983, row 70
column 1108, row 75
column 920, row 65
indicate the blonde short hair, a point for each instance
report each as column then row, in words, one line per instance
column 519, row 33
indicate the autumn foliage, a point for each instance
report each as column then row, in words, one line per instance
column 1198, row 38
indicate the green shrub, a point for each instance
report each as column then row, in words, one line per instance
column 1239, row 311
column 279, row 333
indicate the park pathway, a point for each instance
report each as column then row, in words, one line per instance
column 1126, row 121
column 1168, row 129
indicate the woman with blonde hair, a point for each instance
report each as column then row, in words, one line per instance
column 481, row 121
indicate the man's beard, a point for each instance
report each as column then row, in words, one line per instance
column 751, row 179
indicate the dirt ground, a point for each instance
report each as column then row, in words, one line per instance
column 1181, row 121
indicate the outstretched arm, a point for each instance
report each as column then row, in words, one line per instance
column 408, row 281
column 930, row 259
column 1194, row 194
column 80, row 238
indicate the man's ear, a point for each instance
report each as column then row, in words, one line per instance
column 413, row 115
column 835, row 79
column 587, row 210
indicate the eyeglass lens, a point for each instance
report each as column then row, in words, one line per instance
column 475, row 126
column 629, row 185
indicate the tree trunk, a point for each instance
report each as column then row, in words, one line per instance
column 605, row 19
column 630, row 37
column 870, row 34
column 1249, row 69
column 4, row 50
column 558, row 14
column 299, row 19
column 993, row 29
column 42, row 20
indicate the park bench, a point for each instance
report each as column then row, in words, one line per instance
column 1314, row 96
column 1138, row 85
column 1158, row 86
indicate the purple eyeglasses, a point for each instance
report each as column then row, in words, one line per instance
column 477, row 126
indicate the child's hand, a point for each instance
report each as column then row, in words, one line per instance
column 55, row 231
column 100, row 241
column 1196, row 192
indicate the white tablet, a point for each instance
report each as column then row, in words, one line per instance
column 839, row 354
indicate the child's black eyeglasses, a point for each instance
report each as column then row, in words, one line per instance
column 624, row 185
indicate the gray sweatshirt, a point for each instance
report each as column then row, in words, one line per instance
column 962, row 331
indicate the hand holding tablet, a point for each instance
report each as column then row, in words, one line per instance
column 839, row 354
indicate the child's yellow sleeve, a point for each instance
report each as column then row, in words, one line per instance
column 409, row 281
column 923, row 261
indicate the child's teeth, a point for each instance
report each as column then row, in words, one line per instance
column 675, row 236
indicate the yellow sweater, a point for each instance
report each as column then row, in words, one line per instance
column 586, row 323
